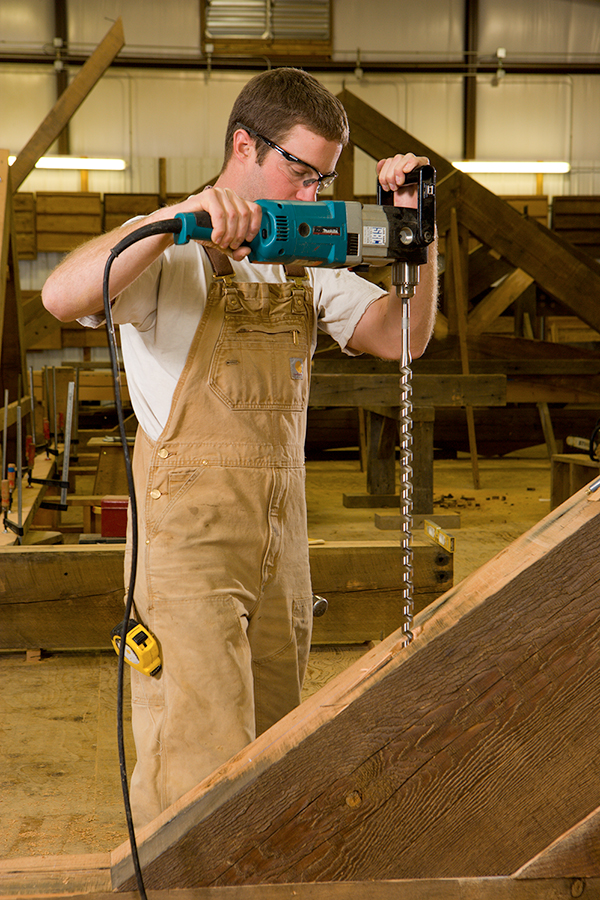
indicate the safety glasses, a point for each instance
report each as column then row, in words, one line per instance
column 297, row 178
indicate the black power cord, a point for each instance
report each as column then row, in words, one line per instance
column 164, row 227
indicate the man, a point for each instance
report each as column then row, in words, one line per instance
column 217, row 353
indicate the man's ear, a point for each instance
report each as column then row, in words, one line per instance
column 244, row 147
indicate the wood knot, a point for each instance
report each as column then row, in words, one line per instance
column 354, row 799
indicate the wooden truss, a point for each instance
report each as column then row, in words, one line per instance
column 562, row 270
column 494, row 257
column 12, row 349
column 21, row 326
column 471, row 755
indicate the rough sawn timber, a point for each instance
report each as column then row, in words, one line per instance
column 421, row 889
column 577, row 851
column 462, row 756
column 71, row 596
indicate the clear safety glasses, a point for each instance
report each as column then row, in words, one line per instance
column 298, row 178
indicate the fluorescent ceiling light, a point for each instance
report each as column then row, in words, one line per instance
column 75, row 162
column 534, row 168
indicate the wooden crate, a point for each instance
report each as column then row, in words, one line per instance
column 534, row 206
column 570, row 472
column 577, row 220
column 65, row 220
column 25, row 227
column 118, row 208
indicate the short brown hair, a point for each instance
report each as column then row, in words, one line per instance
column 273, row 102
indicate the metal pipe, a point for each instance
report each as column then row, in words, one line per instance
column 19, row 476
column 67, row 443
column 32, row 399
column 54, row 408
column 5, row 434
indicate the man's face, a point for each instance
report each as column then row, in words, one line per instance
column 279, row 178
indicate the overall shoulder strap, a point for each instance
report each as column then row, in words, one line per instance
column 220, row 263
column 295, row 271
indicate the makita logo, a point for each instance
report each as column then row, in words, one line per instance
column 327, row 230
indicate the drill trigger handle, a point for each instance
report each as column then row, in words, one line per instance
column 194, row 226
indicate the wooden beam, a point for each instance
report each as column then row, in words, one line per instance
column 44, row 881
column 32, row 498
column 69, row 101
column 499, row 299
column 575, row 854
column 553, row 389
column 471, row 47
column 12, row 346
column 461, row 302
column 507, row 356
column 11, row 410
column 361, row 580
column 486, row 267
column 560, row 269
column 543, row 408
column 47, row 593
column 556, row 266
column 428, row 390
column 462, row 755
column 353, row 389
column 38, row 878
column 85, row 873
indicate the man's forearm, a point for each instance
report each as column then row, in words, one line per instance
column 74, row 288
column 423, row 306
column 380, row 330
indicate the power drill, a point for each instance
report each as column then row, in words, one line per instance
column 336, row 234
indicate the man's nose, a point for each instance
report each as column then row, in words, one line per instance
column 307, row 193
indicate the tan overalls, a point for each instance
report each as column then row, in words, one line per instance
column 223, row 577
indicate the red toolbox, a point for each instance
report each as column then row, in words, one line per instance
column 114, row 516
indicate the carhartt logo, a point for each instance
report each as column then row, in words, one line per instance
column 297, row 368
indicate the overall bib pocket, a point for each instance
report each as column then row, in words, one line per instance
column 261, row 366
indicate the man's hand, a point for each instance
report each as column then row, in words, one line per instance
column 235, row 221
column 392, row 172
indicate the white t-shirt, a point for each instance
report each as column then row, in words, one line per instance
column 159, row 313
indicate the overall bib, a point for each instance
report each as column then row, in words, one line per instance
column 223, row 578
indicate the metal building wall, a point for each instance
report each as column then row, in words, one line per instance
column 180, row 113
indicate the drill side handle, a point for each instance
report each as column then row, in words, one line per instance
column 424, row 178
column 422, row 175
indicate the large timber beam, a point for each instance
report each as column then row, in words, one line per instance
column 556, row 266
column 47, row 594
column 68, row 102
column 463, row 755
column 47, row 876
column 12, row 346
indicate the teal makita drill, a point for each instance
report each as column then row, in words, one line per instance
column 334, row 233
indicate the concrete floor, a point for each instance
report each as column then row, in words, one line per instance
column 59, row 772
